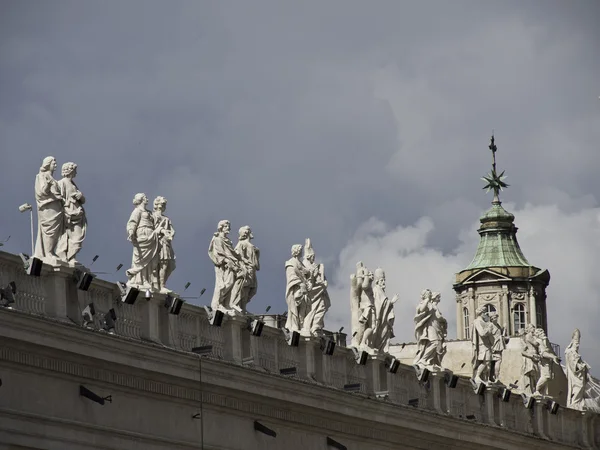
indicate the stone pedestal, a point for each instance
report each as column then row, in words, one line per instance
column 312, row 364
column 62, row 300
column 236, row 338
column 155, row 319
column 492, row 405
column 378, row 373
column 540, row 418
column 438, row 392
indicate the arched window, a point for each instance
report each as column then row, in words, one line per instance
column 490, row 308
column 466, row 323
column 518, row 317
column 539, row 316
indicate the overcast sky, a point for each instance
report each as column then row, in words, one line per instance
column 362, row 125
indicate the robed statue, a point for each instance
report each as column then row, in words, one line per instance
column 166, row 255
column 431, row 330
column 49, row 200
column 318, row 296
column 144, row 236
column 228, row 268
column 298, row 285
column 246, row 287
column 75, row 222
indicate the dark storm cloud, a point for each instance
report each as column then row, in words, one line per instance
column 300, row 119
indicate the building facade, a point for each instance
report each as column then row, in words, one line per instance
column 71, row 385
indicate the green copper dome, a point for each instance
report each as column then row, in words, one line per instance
column 498, row 246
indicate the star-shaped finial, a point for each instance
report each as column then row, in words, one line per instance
column 494, row 181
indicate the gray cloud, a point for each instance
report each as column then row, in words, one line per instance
column 302, row 120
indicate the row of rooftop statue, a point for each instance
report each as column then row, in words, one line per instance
column 62, row 229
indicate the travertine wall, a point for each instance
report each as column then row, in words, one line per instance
column 157, row 386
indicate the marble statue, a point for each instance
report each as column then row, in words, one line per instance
column 500, row 341
column 383, row 329
column 482, row 343
column 546, row 362
column 583, row 390
column 144, row 236
column 298, row 285
column 577, row 373
column 49, row 202
column 529, row 367
column 228, row 267
column 431, row 329
column 362, row 306
column 318, row 297
column 246, row 287
column 75, row 223
column 166, row 255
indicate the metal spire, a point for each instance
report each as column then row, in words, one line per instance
column 494, row 181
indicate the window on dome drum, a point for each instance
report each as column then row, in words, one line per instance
column 539, row 316
column 518, row 317
column 490, row 309
column 466, row 323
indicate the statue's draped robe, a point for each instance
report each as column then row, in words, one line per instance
column 145, row 248
column 384, row 319
column 546, row 362
column 529, row 369
column 577, row 377
column 430, row 330
column 362, row 307
column 295, row 295
column 246, row 287
column 497, row 349
column 482, row 341
column 318, row 298
column 591, row 399
column 499, row 342
column 355, row 293
column 75, row 221
column 50, row 214
column 220, row 251
column 166, row 255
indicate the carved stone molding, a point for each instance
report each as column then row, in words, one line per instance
column 518, row 296
column 487, row 297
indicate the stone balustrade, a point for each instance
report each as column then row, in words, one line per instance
column 54, row 294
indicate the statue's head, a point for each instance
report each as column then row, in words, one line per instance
column 140, row 199
column 48, row 164
column 224, row 227
column 436, row 297
column 426, row 295
column 575, row 339
column 494, row 317
column 245, row 233
column 309, row 253
column 480, row 311
column 380, row 277
column 540, row 333
column 296, row 250
column 69, row 170
column 160, row 204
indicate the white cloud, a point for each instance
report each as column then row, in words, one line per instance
column 566, row 241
